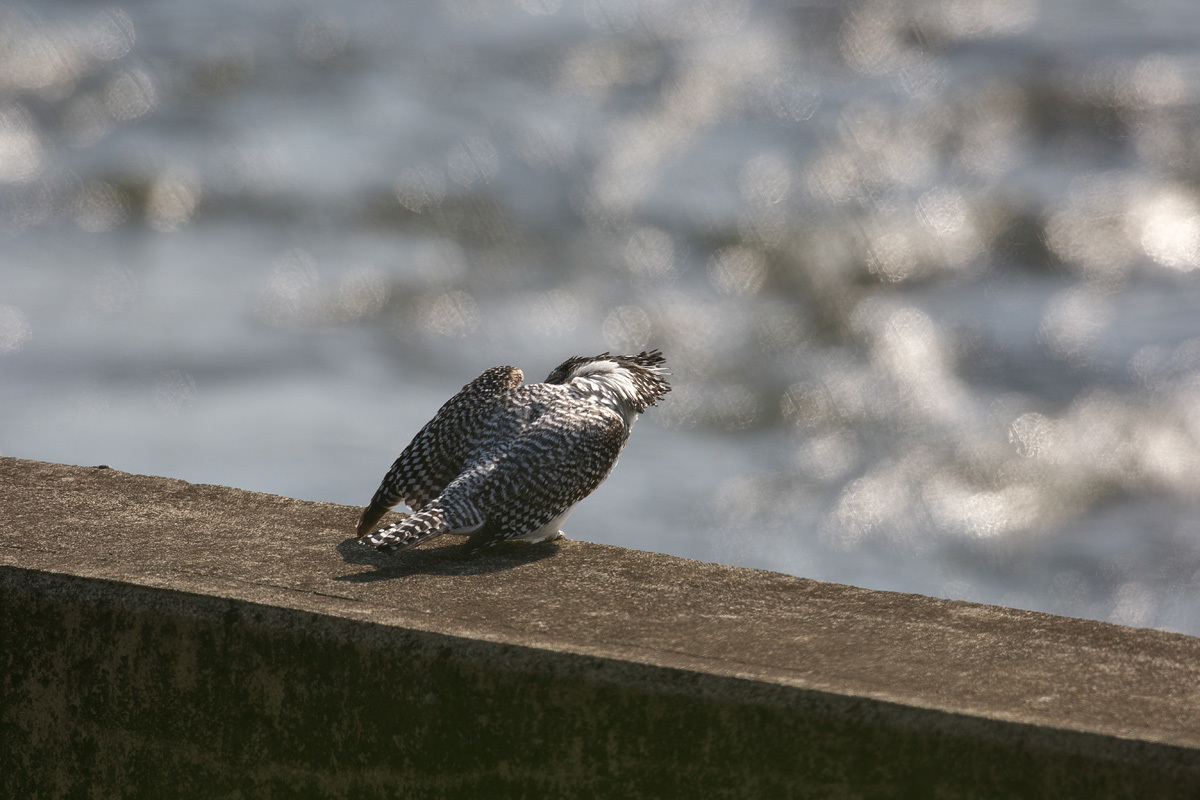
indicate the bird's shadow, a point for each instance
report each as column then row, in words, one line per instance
column 449, row 559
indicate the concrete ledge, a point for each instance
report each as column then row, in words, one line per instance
column 159, row 638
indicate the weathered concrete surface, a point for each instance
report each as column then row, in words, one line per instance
column 159, row 638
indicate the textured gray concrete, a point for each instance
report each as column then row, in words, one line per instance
column 160, row 638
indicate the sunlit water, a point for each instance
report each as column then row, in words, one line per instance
column 924, row 272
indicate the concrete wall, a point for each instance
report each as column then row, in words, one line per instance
column 160, row 639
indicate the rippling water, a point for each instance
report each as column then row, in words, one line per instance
column 925, row 271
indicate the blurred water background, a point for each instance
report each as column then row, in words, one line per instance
column 925, row 271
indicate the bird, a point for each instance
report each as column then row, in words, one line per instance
column 504, row 460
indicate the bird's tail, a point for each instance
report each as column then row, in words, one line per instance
column 412, row 530
column 385, row 498
column 379, row 506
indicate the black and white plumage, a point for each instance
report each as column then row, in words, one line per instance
column 507, row 460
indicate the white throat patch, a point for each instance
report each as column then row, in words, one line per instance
column 612, row 384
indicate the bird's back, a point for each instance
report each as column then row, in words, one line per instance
column 442, row 448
